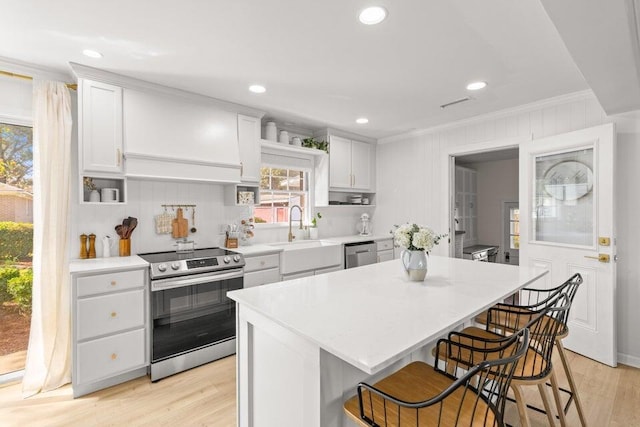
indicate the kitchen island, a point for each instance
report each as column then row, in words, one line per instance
column 304, row 344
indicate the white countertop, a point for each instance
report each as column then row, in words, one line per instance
column 106, row 264
column 372, row 316
column 266, row 248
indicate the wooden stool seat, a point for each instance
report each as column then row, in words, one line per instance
column 418, row 382
column 530, row 366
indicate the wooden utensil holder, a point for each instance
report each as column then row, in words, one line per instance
column 125, row 247
column 231, row 242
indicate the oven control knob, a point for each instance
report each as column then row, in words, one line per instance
column 175, row 266
column 236, row 258
column 226, row 260
column 162, row 267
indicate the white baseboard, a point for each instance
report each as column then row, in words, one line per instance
column 629, row 360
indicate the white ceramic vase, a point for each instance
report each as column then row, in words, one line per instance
column 94, row 196
column 415, row 264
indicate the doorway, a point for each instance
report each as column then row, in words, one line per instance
column 483, row 183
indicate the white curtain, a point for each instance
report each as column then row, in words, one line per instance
column 48, row 363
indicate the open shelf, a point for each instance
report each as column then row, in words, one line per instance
column 103, row 183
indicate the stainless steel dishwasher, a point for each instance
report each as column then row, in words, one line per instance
column 360, row 253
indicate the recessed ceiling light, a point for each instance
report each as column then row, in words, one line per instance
column 372, row 15
column 476, row 85
column 92, row 53
column 257, row 89
column 362, row 121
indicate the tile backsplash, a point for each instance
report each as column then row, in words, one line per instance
column 144, row 200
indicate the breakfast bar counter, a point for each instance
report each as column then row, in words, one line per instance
column 304, row 344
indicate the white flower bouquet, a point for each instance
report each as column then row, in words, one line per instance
column 415, row 237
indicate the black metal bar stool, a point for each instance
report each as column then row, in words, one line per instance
column 535, row 368
column 533, row 299
column 419, row 395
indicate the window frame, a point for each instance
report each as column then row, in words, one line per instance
column 307, row 212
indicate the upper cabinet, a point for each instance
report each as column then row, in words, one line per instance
column 249, row 144
column 350, row 165
column 100, row 127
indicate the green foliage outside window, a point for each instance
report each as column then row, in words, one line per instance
column 16, row 156
column 20, row 289
column 7, row 274
column 16, row 241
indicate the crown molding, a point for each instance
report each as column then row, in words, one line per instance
column 34, row 71
column 525, row 108
column 91, row 73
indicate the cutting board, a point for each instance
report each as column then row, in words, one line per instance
column 179, row 226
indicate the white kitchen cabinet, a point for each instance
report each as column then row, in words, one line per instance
column 350, row 164
column 110, row 343
column 100, row 127
column 466, row 201
column 385, row 249
column 261, row 269
column 249, row 144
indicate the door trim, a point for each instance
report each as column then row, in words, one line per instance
column 448, row 174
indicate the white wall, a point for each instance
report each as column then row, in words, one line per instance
column 409, row 177
column 497, row 182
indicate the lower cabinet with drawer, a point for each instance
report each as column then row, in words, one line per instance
column 110, row 328
column 261, row 269
column 385, row 249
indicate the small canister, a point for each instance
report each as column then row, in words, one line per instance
column 271, row 132
column 284, row 137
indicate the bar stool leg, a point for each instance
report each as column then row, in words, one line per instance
column 542, row 388
column 522, row 407
column 556, row 396
column 572, row 384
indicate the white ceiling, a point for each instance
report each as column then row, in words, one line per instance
column 321, row 66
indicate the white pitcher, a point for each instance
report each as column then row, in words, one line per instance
column 107, row 243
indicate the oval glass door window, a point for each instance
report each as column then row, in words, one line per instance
column 568, row 180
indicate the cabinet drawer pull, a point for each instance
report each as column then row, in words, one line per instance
column 113, row 283
column 263, row 262
column 114, row 356
column 114, row 314
column 119, row 156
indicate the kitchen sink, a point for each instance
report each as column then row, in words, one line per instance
column 307, row 255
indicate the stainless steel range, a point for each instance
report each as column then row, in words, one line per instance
column 193, row 321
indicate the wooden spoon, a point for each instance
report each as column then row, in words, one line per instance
column 193, row 220
column 133, row 223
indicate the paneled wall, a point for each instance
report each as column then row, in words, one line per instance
column 410, row 183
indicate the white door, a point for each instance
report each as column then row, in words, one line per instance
column 361, row 165
column 340, row 162
column 566, row 207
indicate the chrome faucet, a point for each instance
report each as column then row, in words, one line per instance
column 291, row 236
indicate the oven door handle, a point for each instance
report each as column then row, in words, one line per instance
column 160, row 285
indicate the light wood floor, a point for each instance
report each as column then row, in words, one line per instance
column 205, row 396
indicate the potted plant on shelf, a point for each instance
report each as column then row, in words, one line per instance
column 318, row 145
column 313, row 231
column 94, row 194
